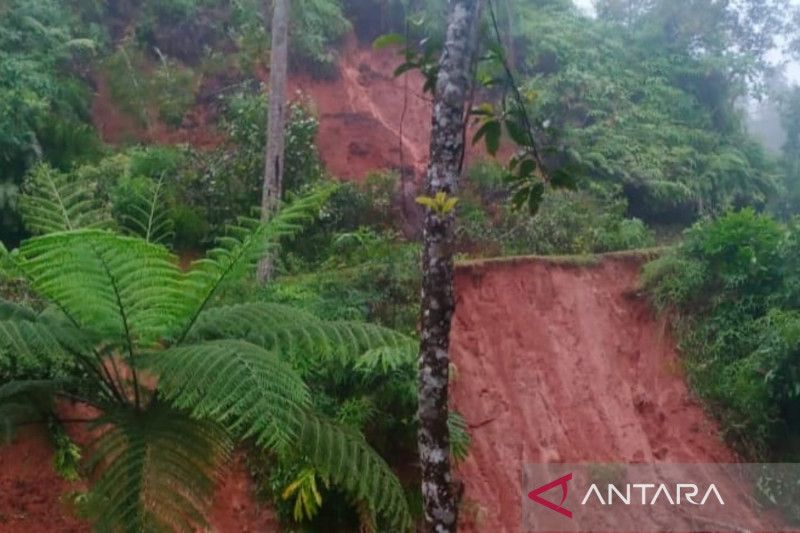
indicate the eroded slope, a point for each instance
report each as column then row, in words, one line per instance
column 562, row 363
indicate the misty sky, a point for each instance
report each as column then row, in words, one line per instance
column 792, row 69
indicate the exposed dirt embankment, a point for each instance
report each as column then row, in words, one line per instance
column 369, row 119
column 560, row 363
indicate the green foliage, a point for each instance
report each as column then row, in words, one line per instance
column 736, row 256
column 30, row 346
column 633, row 107
column 176, row 87
column 124, row 71
column 440, row 204
column 42, row 100
column 212, row 188
column 141, row 209
column 122, row 307
column 315, row 26
column 137, row 86
column 345, row 457
column 354, row 216
column 365, row 276
column 305, row 493
column 459, row 436
column 263, row 404
column 588, row 220
column 67, row 456
column 52, row 202
column 731, row 285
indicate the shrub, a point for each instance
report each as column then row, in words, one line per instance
column 741, row 249
column 674, row 280
column 367, row 276
column 174, row 89
column 316, row 26
column 731, row 285
column 136, row 86
column 731, row 259
column 588, row 220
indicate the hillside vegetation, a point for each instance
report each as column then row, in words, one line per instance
column 132, row 137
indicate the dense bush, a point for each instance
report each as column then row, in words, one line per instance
column 732, row 287
column 217, row 186
column 589, row 220
column 316, row 26
column 137, row 86
column 646, row 100
column 44, row 101
column 205, row 191
column 367, row 276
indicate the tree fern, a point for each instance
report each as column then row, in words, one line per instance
column 30, row 348
column 50, row 202
column 460, row 439
column 22, row 401
column 120, row 305
column 13, row 311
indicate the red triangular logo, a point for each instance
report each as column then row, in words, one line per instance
column 562, row 481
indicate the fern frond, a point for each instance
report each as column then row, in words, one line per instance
column 8, row 265
column 50, row 202
column 387, row 360
column 24, row 401
column 121, row 287
column 348, row 461
column 156, row 470
column 297, row 334
column 241, row 249
column 307, row 498
column 241, row 385
column 242, row 320
column 460, row 439
column 149, row 217
column 31, row 348
column 14, row 311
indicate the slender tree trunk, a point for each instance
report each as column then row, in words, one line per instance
column 273, row 163
column 447, row 144
column 510, row 55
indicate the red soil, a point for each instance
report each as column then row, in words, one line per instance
column 559, row 363
column 117, row 127
column 361, row 114
column 554, row 363
column 369, row 119
column 31, row 494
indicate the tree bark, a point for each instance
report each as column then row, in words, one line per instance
column 437, row 307
column 273, row 161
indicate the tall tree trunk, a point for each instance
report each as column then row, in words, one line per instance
column 273, row 162
column 447, row 144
